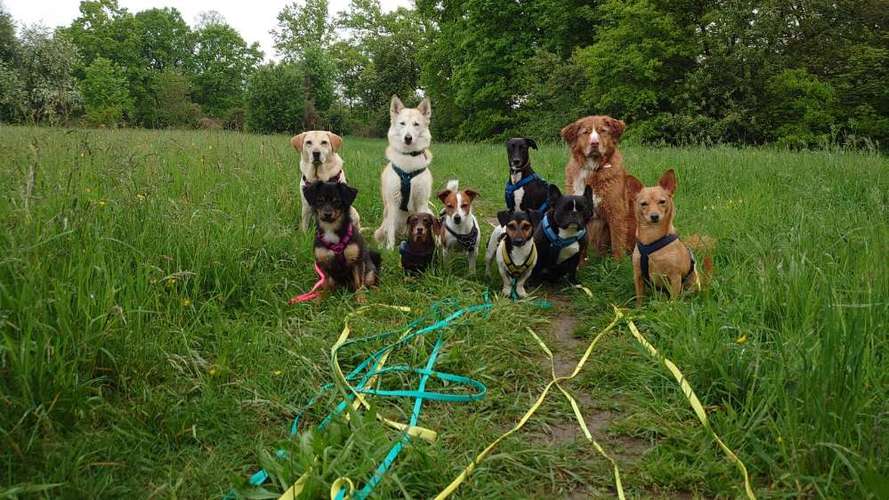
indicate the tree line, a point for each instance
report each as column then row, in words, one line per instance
column 800, row 73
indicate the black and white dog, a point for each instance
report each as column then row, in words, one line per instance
column 561, row 235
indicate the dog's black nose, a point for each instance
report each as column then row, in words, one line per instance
column 518, row 242
column 316, row 155
column 457, row 219
column 408, row 139
column 516, row 162
column 654, row 217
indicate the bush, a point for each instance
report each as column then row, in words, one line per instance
column 275, row 100
column 801, row 109
column 234, row 119
column 173, row 98
column 105, row 94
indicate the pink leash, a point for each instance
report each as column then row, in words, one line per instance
column 313, row 293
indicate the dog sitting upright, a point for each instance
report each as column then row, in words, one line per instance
column 516, row 253
column 525, row 190
column 406, row 182
column 340, row 251
column 660, row 259
column 419, row 249
column 459, row 227
column 560, row 237
column 319, row 161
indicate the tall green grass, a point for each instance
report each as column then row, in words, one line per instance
column 147, row 348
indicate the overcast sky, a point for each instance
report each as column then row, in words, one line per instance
column 253, row 18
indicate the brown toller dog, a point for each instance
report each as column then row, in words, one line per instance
column 660, row 259
column 596, row 162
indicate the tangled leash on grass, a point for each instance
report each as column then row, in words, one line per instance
column 313, row 293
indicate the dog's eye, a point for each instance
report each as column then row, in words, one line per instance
column 324, row 143
column 511, row 226
column 662, row 202
column 644, row 204
column 526, row 226
column 416, row 124
column 402, row 123
column 465, row 205
column 308, row 143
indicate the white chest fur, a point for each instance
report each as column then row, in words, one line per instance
column 569, row 251
column 580, row 181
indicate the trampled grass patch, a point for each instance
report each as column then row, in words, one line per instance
column 148, row 349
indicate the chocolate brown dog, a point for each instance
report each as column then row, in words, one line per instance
column 417, row 252
column 340, row 251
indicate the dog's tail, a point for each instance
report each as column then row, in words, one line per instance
column 704, row 246
column 453, row 185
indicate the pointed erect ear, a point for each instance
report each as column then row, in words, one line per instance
column 335, row 141
column 530, row 142
column 311, row 192
column 535, row 216
column 425, row 108
column 471, row 194
column 443, row 195
column 617, row 127
column 395, row 107
column 503, row 217
column 297, row 141
column 633, row 186
column 668, row 181
column 588, row 194
column 569, row 133
column 553, row 195
column 347, row 193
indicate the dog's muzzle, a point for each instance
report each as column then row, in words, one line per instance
column 518, row 242
column 408, row 139
column 316, row 156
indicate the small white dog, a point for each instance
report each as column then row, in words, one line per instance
column 406, row 182
column 319, row 161
column 459, row 227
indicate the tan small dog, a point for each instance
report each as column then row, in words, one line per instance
column 660, row 258
column 319, row 161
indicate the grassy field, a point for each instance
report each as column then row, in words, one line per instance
column 148, row 351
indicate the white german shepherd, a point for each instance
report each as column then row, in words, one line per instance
column 406, row 182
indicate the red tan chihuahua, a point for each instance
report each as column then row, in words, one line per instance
column 660, row 259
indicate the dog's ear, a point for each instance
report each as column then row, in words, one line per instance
column 472, row 194
column 311, row 192
column 535, row 216
column 503, row 217
column 336, row 141
column 395, row 107
column 443, row 195
column 297, row 141
column 668, row 181
column 569, row 133
column 552, row 195
column 347, row 193
column 425, row 108
column 530, row 142
column 436, row 225
column 634, row 185
column 617, row 127
column 588, row 195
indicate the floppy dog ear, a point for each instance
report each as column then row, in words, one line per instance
column 530, row 142
column 311, row 192
column 436, row 225
column 395, row 106
column 335, row 141
column 569, row 133
column 472, row 194
column 634, row 185
column 552, row 195
column 668, row 181
column 443, row 195
column 617, row 127
column 347, row 193
column 503, row 217
column 425, row 108
column 297, row 141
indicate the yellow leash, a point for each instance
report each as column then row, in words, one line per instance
column 693, row 401
column 451, row 488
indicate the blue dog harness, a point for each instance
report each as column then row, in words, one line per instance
column 406, row 178
column 512, row 188
column 554, row 238
column 646, row 250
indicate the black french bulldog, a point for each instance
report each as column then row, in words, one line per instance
column 561, row 235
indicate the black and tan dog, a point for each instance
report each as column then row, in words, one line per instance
column 340, row 251
column 419, row 249
column 516, row 254
column 561, row 235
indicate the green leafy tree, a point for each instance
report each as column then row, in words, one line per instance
column 173, row 104
column 165, row 40
column 8, row 42
column 105, row 95
column 274, row 99
column 221, row 64
column 46, row 77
